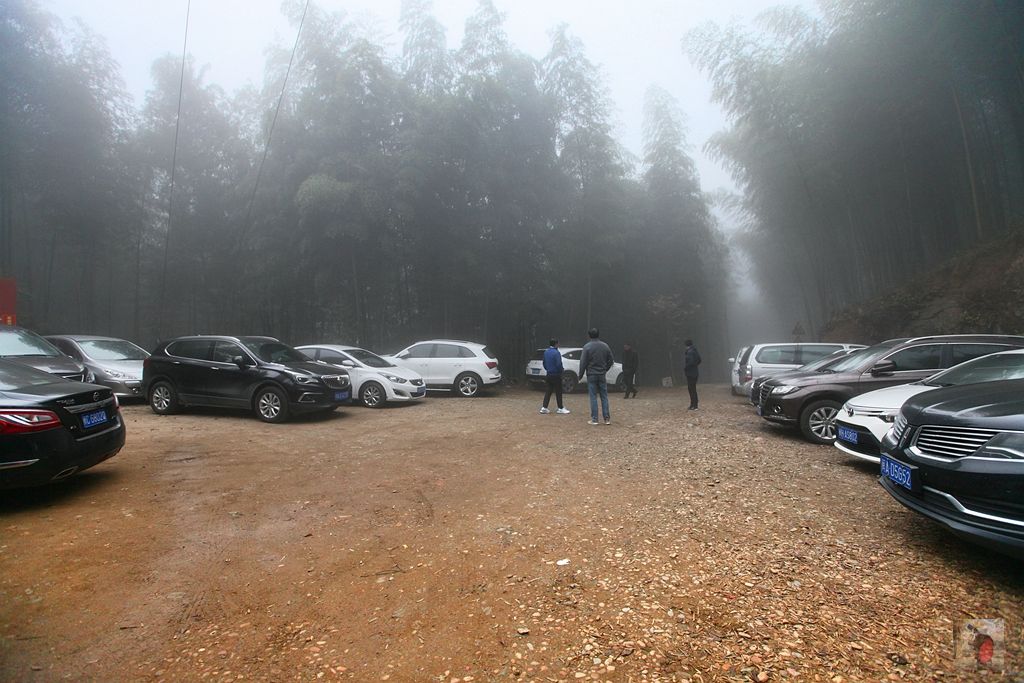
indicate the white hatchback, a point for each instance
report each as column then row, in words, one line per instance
column 375, row 381
column 451, row 365
column 865, row 419
column 535, row 373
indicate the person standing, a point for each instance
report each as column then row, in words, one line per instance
column 690, row 363
column 553, row 368
column 630, row 364
column 596, row 360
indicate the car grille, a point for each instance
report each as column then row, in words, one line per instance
column 899, row 428
column 416, row 382
column 951, row 442
column 336, row 381
column 764, row 393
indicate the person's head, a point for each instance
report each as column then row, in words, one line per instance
column 594, row 333
column 689, row 342
column 553, row 342
column 627, row 346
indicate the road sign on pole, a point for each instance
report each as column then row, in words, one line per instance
column 8, row 301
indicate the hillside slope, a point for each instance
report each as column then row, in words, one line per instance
column 981, row 291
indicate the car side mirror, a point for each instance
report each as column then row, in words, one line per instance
column 732, row 360
column 402, row 356
column 348, row 363
column 883, row 367
column 242, row 361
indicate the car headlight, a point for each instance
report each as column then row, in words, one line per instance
column 114, row 374
column 90, row 376
column 302, row 379
column 395, row 378
column 888, row 417
column 783, row 389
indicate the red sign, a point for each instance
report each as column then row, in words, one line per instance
column 8, row 302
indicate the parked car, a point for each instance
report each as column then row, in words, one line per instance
column 755, row 386
column 865, row 419
column 571, row 374
column 811, row 400
column 737, row 384
column 114, row 363
column 52, row 428
column 762, row 360
column 462, row 367
column 251, row 373
column 956, row 455
column 28, row 348
column 375, row 381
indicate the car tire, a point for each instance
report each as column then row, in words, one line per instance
column 163, row 399
column 467, row 385
column 569, row 382
column 818, row 421
column 373, row 395
column 270, row 404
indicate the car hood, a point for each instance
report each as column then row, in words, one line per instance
column 992, row 405
column 397, row 371
column 812, row 378
column 312, row 367
column 128, row 367
column 890, row 398
column 57, row 365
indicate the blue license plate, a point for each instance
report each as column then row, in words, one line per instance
column 93, row 419
column 846, row 434
column 535, row 371
column 341, row 395
column 420, row 391
column 898, row 473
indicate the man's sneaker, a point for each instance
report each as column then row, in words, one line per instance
column 562, row 411
column 593, row 422
column 544, row 411
column 607, row 420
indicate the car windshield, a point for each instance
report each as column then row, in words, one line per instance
column 112, row 349
column 274, row 351
column 823, row 362
column 14, row 376
column 24, row 343
column 855, row 359
column 369, row 358
column 985, row 369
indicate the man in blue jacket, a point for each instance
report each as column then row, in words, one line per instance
column 553, row 366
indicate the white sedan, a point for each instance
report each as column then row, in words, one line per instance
column 535, row 372
column 375, row 381
column 865, row 419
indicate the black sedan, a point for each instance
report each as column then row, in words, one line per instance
column 52, row 428
column 956, row 455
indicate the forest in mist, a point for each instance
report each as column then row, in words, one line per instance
column 474, row 192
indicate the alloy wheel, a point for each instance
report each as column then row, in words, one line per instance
column 269, row 405
column 161, row 397
column 823, row 422
column 468, row 386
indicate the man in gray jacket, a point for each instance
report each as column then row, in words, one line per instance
column 595, row 361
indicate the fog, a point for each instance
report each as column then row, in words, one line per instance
column 503, row 172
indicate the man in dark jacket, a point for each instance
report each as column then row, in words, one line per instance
column 630, row 364
column 596, row 360
column 554, row 369
column 690, row 363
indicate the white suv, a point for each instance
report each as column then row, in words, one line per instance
column 535, row 373
column 447, row 364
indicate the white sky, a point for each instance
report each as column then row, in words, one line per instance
column 636, row 44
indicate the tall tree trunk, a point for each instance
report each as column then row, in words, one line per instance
column 969, row 161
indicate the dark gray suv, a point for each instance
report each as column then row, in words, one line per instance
column 811, row 400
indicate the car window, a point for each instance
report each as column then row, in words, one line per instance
column 488, row 353
column 420, row 351
column 66, row 347
column 965, row 352
column 538, row 354
column 225, row 351
column 198, row 349
column 924, row 357
column 18, row 342
column 988, row 368
column 333, row 357
column 781, row 355
column 113, row 349
column 447, row 351
column 812, row 352
column 466, row 352
column 573, row 355
column 369, row 358
column 745, row 355
column 273, row 351
column 309, row 353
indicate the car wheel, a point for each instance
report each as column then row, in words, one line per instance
column 467, row 384
column 373, row 395
column 163, row 399
column 818, row 421
column 271, row 405
column 568, row 382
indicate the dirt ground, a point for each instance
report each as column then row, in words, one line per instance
column 475, row 540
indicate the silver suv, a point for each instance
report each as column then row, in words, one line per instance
column 763, row 360
column 462, row 367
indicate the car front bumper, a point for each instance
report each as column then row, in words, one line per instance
column 128, row 388
column 42, row 457
column 867, row 445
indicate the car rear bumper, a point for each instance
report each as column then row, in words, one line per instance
column 36, row 459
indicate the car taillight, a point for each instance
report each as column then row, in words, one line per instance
column 747, row 374
column 22, row 421
column 491, row 364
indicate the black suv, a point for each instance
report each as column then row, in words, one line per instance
column 956, row 455
column 253, row 373
column 811, row 400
